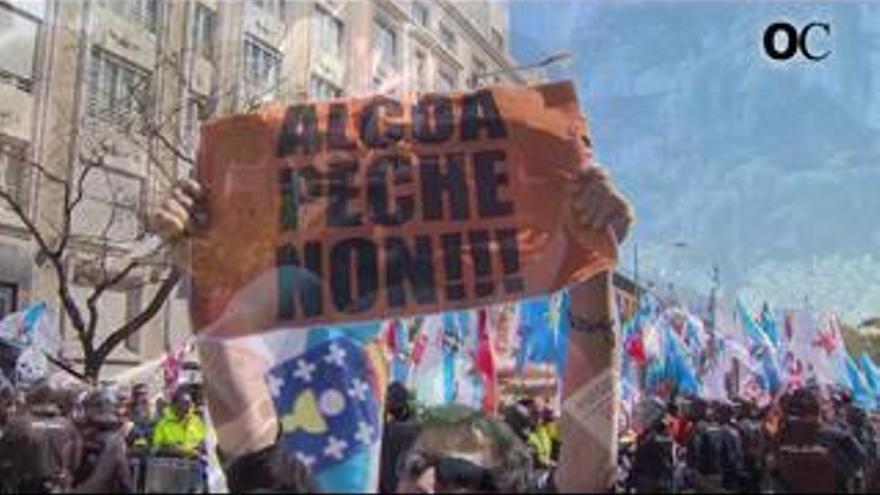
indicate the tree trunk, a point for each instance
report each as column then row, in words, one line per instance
column 93, row 365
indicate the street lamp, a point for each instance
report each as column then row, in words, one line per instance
column 547, row 61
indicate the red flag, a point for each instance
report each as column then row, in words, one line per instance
column 635, row 348
column 391, row 337
column 419, row 347
column 485, row 363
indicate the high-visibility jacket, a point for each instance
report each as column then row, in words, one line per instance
column 542, row 443
column 185, row 434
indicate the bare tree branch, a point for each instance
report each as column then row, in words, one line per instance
column 39, row 166
column 71, row 204
column 66, row 368
column 92, row 300
column 152, row 131
column 57, row 263
column 22, row 216
column 89, row 165
column 132, row 326
column 171, row 147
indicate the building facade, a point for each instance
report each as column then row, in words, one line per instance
column 126, row 83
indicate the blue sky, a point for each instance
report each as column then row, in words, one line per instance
column 768, row 170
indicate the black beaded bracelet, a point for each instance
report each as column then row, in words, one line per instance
column 582, row 325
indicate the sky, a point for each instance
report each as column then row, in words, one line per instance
column 768, row 170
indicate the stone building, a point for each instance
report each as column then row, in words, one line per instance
column 127, row 82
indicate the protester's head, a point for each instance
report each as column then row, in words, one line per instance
column 856, row 417
column 802, row 403
column 100, row 409
column 399, row 402
column 842, row 399
column 162, row 404
column 416, row 474
column 738, row 407
column 39, row 393
column 141, row 412
column 273, row 470
column 748, row 409
column 122, row 397
column 725, row 412
column 548, row 415
column 653, row 414
column 535, row 406
column 517, row 418
column 460, row 449
column 140, row 402
column 43, row 398
column 197, row 393
column 712, row 410
column 7, row 402
column 181, row 402
column 140, row 391
column 698, row 410
column 541, row 404
column 70, row 396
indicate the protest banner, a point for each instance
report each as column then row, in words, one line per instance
column 368, row 208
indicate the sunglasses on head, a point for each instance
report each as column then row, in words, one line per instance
column 451, row 473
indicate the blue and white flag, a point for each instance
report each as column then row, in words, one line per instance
column 328, row 394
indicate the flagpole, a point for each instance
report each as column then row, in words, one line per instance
column 636, row 274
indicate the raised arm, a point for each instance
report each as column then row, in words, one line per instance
column 591, row 395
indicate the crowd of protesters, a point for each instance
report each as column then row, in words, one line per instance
column 68, row 439
column 456, row 449
column 61, row 439
column 809, row 441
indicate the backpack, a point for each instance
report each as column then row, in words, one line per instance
column 803, row 464
column 806, row 468
column 708, row 459
column 752, row 439
column 732, row 458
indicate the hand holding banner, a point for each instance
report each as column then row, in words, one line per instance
column 369, row 208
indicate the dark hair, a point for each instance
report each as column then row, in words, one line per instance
column 7, row 393
column 517, row 418
column 42, row 393
column 698, row 410
column 271, row 470
column 801, row 403
column 725, row 412
column 398, row 401
column 456, row 472
column 512, row 471
column 180, row 392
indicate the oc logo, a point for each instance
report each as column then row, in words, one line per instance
column 794, row 41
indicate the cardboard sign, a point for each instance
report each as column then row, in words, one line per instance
column 369, row 208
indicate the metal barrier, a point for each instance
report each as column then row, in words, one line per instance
column 168, row 475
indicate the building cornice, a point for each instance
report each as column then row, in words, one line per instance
column 499, row 57
column 393, row 10
column 426, row 38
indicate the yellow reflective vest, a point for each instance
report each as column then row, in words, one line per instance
column 542, row 442
column 183, row 434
